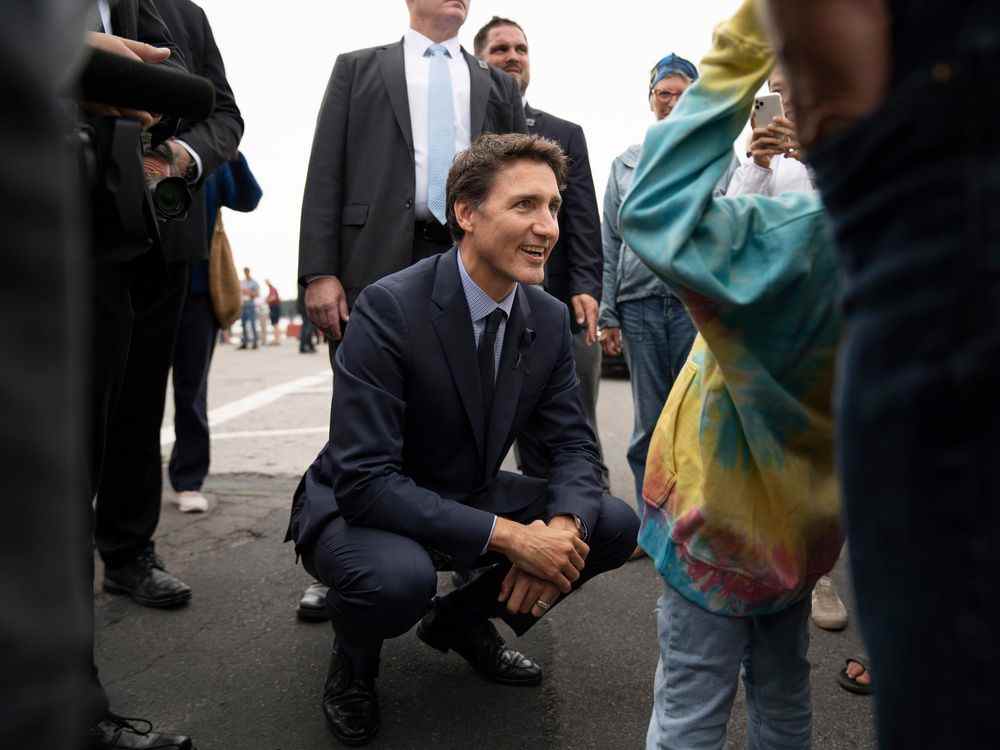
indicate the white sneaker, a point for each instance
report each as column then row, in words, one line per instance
column 191, row 502
column 828, row 611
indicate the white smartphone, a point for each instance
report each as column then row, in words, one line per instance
column 766, row 108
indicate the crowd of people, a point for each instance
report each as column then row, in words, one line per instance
column 811, row 326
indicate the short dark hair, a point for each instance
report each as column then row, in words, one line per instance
column 479, row 43
column 472, row 174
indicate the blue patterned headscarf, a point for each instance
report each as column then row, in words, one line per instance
column 671, row 65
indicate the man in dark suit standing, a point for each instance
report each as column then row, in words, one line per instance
column 443, row 365
column 575, row 272
column 129, row 495
column 391, row 121
column 119, row 263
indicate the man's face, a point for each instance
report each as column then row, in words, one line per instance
column 507, row 49
column 510, row 235
column 779, row 85
column 439, row 11
column 665, row 94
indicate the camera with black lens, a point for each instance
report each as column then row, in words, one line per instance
column 127, row 205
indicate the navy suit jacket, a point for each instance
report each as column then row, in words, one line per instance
column 576, row 264
column 409, row 452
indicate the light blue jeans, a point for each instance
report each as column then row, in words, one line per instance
column 657, row 335
column 701, row 655
column 248, row 319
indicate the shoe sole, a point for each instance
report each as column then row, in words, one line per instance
column 350, row 741
column 312, row 615
column 170, row 603
column 444, row 648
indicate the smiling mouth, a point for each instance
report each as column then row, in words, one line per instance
column 534, row 251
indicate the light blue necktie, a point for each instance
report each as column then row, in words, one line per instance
column 440, row 130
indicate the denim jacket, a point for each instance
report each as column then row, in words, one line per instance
column 625, row 276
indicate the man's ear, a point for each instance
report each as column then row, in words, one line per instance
column 465, row 215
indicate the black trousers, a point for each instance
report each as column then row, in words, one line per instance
column 130, row 484
column 382, row 583
column 189, row 459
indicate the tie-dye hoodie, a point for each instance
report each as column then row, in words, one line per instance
column 742, row 510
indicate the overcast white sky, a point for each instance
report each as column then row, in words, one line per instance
column 589, row 63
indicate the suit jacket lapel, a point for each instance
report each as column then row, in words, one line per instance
column 453, row 326
column 394, row 76
column 533, row 119
column 510, row 378
column 481, row 83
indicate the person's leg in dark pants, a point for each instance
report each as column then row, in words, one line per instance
column 130, row 489
column 919, row 391
column 189, row 458
column 381, row 584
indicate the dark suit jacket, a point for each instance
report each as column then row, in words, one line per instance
column 407, row 450
column 576, row 265
column 141, row 20
column 214, row 139
column 358, row 212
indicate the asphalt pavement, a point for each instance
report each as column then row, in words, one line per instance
column 235, row 669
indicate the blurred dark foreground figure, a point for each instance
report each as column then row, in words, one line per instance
column 911, row 177
column 45, row 640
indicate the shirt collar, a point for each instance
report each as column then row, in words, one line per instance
column 480, row 303
column 418, row 44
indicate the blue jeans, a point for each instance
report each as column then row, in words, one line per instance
column 701, row 655
column 248, row 316
column 657, row 334
column 919, row 390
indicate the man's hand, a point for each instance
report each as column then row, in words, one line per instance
column 326, row 305
column 182, row 159
column 523, row 592
column 585, row 312
column 554, row 553
column 133, row 50
column 611, row 341
column 779, row 137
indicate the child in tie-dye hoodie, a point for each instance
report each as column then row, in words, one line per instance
column 741, row 504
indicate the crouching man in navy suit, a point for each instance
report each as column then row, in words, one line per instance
column 443, row 365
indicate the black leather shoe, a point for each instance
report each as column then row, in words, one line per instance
column 312, row 605
column 481, row 646
column 146, row 580
column 350, row 704
column 120, row 732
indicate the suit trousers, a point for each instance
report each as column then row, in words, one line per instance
column 189, row 459
column 382, row 583
column 532, row 458
column 131, row 481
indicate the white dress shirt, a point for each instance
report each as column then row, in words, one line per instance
column 786, row 175
column 417, row 68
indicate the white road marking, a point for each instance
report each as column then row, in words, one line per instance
column 269, row 433
column 234, row 409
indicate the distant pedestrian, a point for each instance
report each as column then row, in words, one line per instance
column 274, row 310
column 306, row 342
column 250, row 290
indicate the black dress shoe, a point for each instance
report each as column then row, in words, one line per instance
column 481, row 646
column 350, row 703
column 146, row 580
column 119, row 732
column 312, row 605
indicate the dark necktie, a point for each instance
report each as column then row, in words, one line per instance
column 487, row 360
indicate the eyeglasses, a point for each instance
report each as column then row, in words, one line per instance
column 667, row 96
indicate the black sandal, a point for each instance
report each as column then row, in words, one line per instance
column 851, row 684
